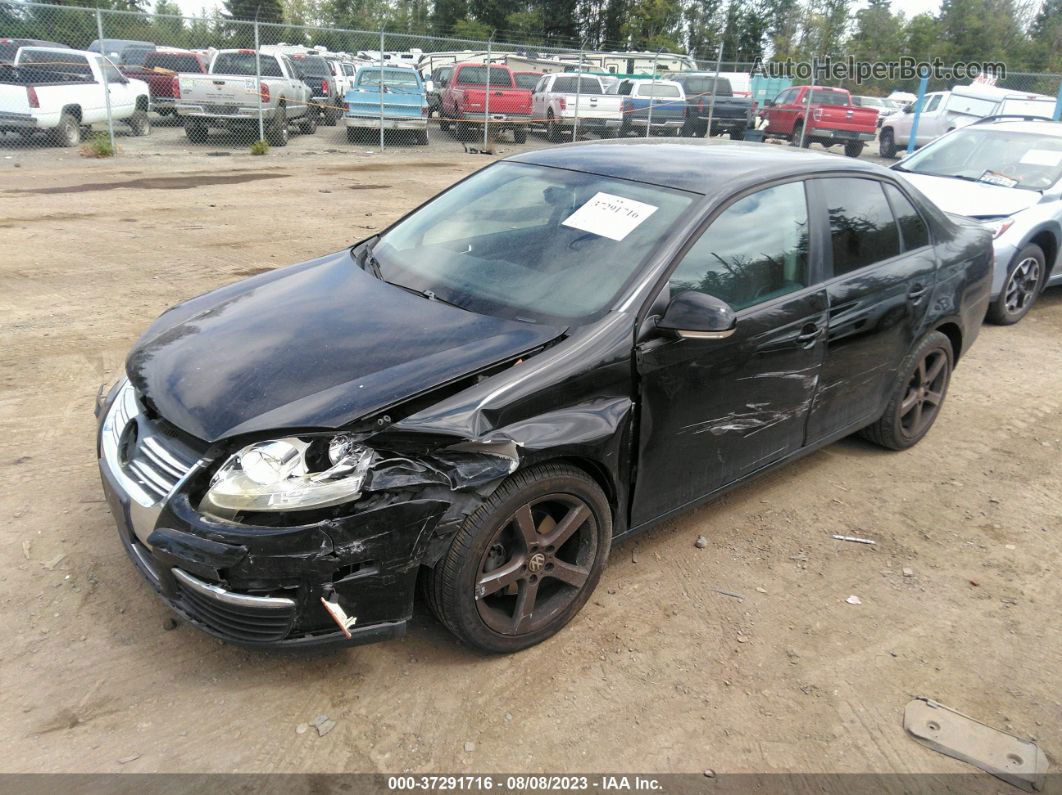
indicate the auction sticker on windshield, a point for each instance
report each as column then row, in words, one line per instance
column 609, row 216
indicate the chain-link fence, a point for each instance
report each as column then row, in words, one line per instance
column 122, row 82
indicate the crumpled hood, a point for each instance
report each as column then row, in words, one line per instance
column 317, row 345
column 972, row 198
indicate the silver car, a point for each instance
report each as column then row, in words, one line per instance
column 1007, row 174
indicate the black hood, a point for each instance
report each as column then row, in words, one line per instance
column 317, row 345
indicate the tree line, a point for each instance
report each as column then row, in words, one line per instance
column 1025, row 34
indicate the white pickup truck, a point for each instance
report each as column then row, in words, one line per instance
column 59, row 91
column 229, row 96
column 943, row 111
column 556, row 96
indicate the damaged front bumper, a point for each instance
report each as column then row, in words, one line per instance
column 260, row 585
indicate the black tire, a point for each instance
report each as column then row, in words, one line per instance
column 444, row 125
column 918, row 395
column 309, row 124
column 68, row 131
column 887, row 143
column 331, row 116
column 196, row 131
column 737, row 134
column 353, row 135
column 606, row 133
column 853, row 148
column 554, row 131
column 422, row 137
column 624, row 130
column 463, row 131
column 277, row 134
column 493, row 535
column 689, row 129
column 798, row 131
column 1021, row 287
column 139, row 123
column 520, row 134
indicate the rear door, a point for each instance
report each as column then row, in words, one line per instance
column 882, row 267
column 716, row 410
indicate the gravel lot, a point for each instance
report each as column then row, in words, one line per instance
column 662, row 671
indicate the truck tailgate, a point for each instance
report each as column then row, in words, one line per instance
column 594, row 106
column 219, row 89
column 502, row 100
column 850, row 119
column 14, row 99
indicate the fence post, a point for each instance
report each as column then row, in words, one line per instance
column 258, row 77
column 652, row 90
column 715, row 83
column 578, row 95
column 1058, row 104
column 383, row 145
column 106, row 81
column 923, row 82
column 486, row 100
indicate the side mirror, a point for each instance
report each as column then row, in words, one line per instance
column 908, row 108
column 694, row 315
column 768, row 103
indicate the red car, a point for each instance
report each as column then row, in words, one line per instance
column 473, row 95
column 830, row 117
column 158, row 71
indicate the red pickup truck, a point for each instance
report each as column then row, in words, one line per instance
column 158, row 71
column 830, row 118
column 473, row 95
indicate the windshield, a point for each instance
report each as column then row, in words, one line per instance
column 532, row 243
column 393, row 79
column 997, row 157
column 312, row 66
column 243, row 63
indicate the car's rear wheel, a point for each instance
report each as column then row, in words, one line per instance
column 525, row 562
column 554, row 131
column 277, row 134
column 309, row 124
column 68, row 131
column 917, row 397
column 1025, row 277
column 737, row 134
column 196, row 131
column 520, row 134
column 422, row 137
column 853, row 148
column 139, row 123
column 886, row 143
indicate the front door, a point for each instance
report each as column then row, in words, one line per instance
column 883, row 270
column 714, row 410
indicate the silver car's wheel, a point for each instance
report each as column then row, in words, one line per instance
column 1025, row 277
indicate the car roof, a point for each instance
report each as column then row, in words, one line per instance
column 694, row 165
column 1045, row 127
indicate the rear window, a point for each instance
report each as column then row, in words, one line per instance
column 72, row 65
column 242, row 63
column 174, row 62
column 134, row 56
column 312, row 65
column 477, row 76
column 650, row 90
column 584, row 85
column 703, row 85
column 526, row 80
column 822, row 97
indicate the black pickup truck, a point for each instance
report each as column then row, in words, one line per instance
column 731, row 114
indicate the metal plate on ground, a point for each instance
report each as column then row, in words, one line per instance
column 1016, row 761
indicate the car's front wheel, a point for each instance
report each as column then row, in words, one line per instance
column 917, row 397
column 1025, row 276
column 525, row 562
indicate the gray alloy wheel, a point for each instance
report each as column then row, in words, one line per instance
column 1025, row 277
column 309, row 124
column 139, row 123
column 196, row 131
column 277, row 133
column 919, row 393
column 68, row 131
column 525, row 562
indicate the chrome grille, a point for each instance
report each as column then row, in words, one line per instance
column 149, row 463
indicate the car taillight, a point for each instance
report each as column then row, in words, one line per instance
column 324, row 87
column 263, row 89
column 818, row 113
column 175, row 88
column 31, row 95
column 562, row 103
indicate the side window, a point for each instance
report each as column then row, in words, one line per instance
column 110, row 72
column 933, row 103
column 913, row 230
column 757, row 249
column 625, row 87
column 862, row 228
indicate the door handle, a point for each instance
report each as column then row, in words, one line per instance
column 917, row 292
column 808, row 335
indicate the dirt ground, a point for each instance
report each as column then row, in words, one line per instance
column 661, row 672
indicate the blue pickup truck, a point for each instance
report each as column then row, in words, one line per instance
column 658, row 106
column 393, row 100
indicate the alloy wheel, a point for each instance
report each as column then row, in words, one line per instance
column 924, row 394
column 536, row 564
column 1022, row 285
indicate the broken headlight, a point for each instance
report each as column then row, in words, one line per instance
column 292, row 473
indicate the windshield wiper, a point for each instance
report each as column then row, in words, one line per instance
column 368, row 260
column 429, row 294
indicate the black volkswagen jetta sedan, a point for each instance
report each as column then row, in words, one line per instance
column 561, row 350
